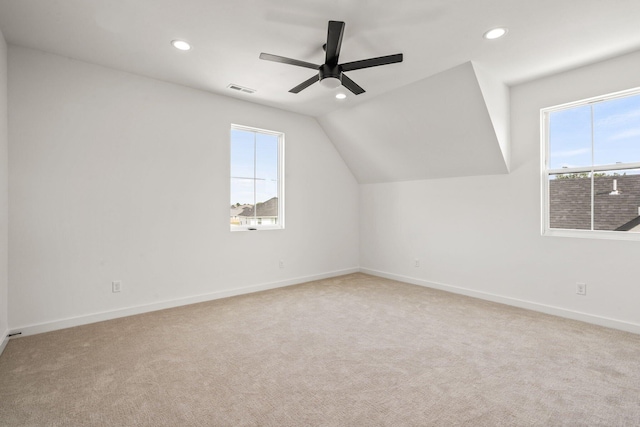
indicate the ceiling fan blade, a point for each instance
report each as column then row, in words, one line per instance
column 373, row 62
column 305, row 84
column 334, row 42
column 282, row 59
column 351, row 85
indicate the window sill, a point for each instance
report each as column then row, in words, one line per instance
column 589, row 234
column 235, row 228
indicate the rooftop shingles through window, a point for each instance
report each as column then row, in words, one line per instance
column 570, row 203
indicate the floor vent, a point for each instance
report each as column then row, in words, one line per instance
column 241, row 88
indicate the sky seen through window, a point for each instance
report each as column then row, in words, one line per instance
column 254, row 167
column 616, row 134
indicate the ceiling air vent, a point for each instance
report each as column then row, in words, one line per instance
column 241, row 88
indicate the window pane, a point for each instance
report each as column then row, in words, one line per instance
column 267, row 198
column 266, row 190
column 242, row 192
column 617, row 201
column 570, row 201
column 570, row 137
column 242, row 152
column 242, row 202
column 267, row 156
column 617, row 131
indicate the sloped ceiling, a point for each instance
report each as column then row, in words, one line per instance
column 438, row 127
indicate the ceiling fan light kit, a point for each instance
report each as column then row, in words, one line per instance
column 331, row 74
column 331, row 82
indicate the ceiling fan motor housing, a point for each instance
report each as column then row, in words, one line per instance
column 332, row 74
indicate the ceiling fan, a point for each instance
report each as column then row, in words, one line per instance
column 331, row 74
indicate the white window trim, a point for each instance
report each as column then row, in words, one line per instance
column 280, row 135
column 546, row 229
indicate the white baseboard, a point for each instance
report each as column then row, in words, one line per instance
column 129, row 311
column 114, row 314
column 5, row 341
column 543, row 308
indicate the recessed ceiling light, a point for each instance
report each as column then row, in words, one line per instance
column 180, row 44
column 341, row 96
column 496, row 33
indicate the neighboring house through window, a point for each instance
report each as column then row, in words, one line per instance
column 591, row 167
column 257, row 164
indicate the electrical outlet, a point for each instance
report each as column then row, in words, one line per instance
column 416, row 263
column 116, row 286
column 281, row 263
column 581, row 288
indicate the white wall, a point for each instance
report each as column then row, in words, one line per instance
column 120, row 177
column 4, row 196
column 481, row 235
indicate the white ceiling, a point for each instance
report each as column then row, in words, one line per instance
column 545, row 36
column 450, row 74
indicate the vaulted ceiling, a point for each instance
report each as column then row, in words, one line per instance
column 408, row 123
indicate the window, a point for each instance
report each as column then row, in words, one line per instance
column 257, row 190
column 591, row 167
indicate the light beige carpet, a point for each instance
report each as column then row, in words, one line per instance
column 350, row 351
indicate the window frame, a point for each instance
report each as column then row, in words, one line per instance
column 280, row 174
column 546, row 229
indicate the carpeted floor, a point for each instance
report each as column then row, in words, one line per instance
column 355, row 350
